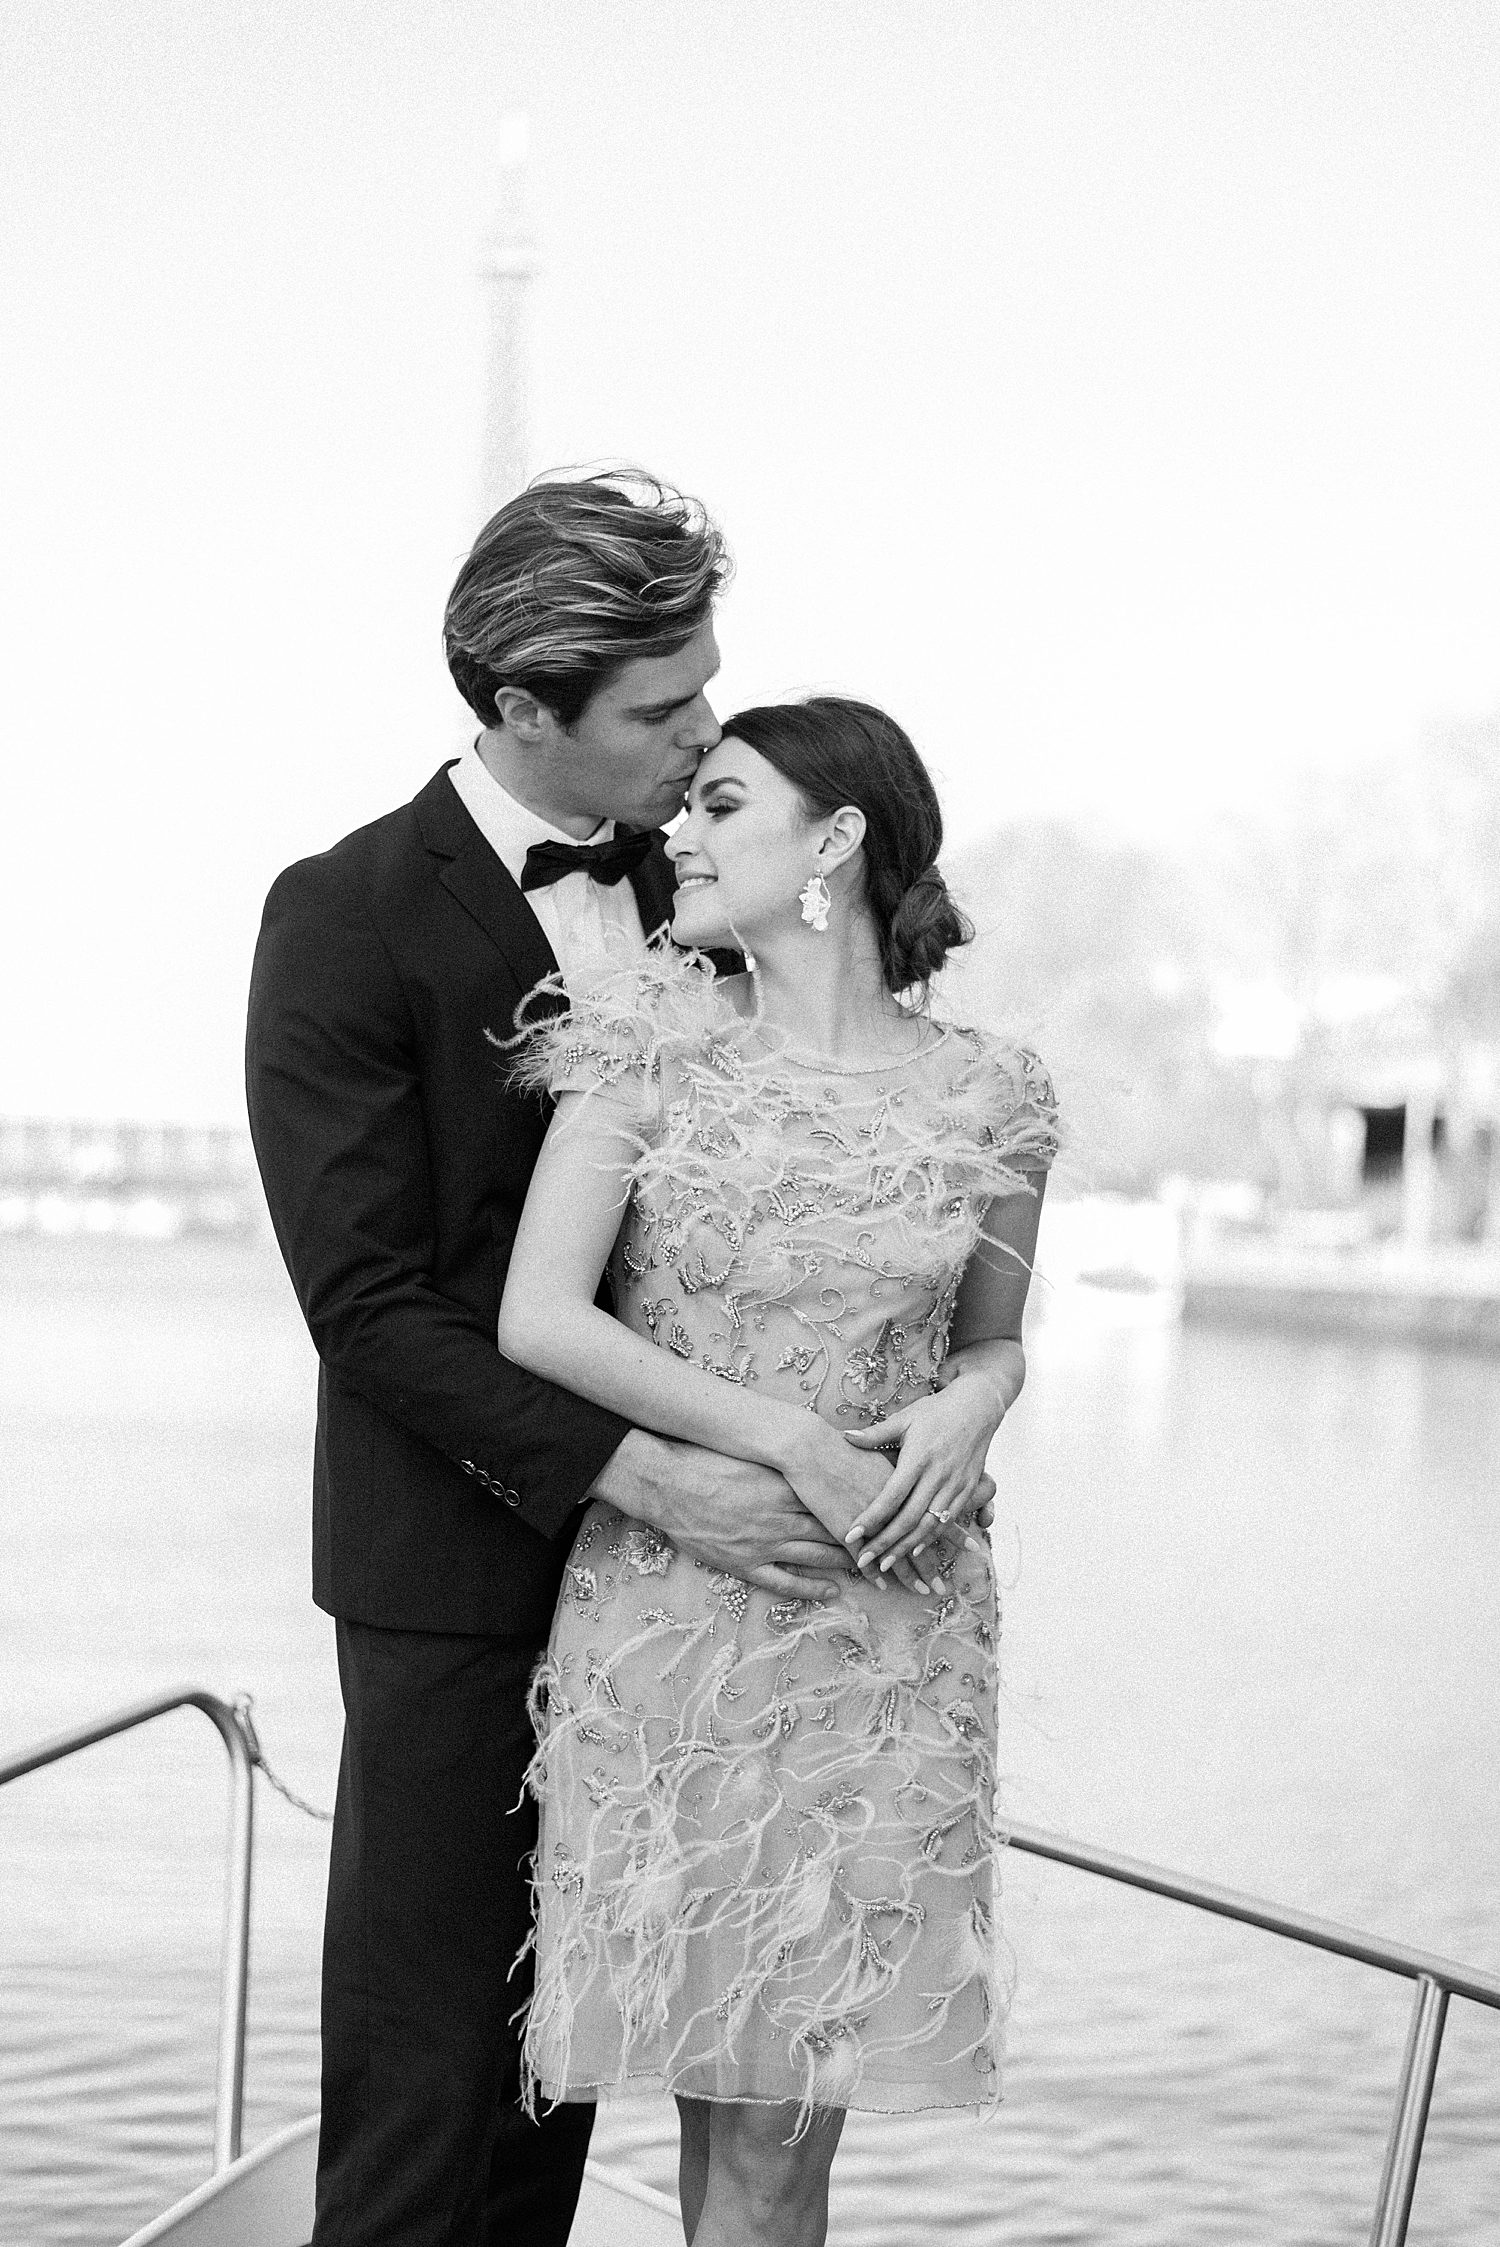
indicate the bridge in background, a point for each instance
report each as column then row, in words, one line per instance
column 150, row 1181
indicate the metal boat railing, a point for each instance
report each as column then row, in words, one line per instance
column 235, row 1730
column 1437, row 1979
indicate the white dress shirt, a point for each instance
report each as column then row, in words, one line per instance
column 587, row 923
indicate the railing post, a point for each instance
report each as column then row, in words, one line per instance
column 1398, row 2179
column 234, row 1970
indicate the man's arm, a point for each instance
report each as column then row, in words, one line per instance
column 741, row 1519
column 340, row 1130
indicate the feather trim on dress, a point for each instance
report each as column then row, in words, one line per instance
column 767, row 1866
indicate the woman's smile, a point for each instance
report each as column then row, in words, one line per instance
column 755, row 822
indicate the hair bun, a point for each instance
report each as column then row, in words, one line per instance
column 924, row 928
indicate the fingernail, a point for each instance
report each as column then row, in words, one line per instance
column 937, row 1585
column 973, row 1543
column 917, row 1549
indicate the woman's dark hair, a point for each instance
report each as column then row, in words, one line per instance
column 836, row 751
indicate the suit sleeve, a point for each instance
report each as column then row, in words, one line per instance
column 337, row 1117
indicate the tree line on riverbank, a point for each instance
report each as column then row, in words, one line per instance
column 1364, row 906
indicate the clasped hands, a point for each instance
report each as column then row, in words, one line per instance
column 818, row 1503
column 912, row 1524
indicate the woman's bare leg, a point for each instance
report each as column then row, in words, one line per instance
column 763, row 2192
column 692, row 2161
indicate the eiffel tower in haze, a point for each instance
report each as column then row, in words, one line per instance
column 155, row 1181
column 508, row 265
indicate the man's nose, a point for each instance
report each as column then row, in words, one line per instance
column 701, row 730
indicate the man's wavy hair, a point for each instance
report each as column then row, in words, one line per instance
column 574, row 578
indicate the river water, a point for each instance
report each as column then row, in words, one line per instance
column 1251, row 1632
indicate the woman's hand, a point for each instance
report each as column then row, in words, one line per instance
column 839, row 1487
column 936, row 1482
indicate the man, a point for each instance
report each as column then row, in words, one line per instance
column 446, row 1481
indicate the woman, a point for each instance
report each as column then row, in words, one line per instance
column 765, row 1878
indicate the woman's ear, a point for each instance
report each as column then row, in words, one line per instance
column 845, row 833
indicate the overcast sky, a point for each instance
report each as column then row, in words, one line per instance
column 1111, row 389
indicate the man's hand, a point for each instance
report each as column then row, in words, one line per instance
column 740, row 1519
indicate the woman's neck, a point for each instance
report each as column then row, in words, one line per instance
column 825, row 994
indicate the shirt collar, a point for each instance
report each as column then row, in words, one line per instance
column 508, row 827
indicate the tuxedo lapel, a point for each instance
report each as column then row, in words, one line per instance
column 470, row 871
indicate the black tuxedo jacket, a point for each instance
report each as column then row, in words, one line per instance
column 395, row 1160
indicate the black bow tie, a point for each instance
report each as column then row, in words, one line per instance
column 606, row 862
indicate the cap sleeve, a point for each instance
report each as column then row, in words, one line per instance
column 614, row 1032
column 1027, row 1118
column 1001, row 1121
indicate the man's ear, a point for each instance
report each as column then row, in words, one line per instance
column 845, row 833
column 522, row 715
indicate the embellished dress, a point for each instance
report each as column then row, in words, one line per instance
column 767, row 1858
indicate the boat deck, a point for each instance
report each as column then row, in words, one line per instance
column 265, row 2199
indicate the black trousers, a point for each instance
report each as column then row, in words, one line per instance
column 423, row 2140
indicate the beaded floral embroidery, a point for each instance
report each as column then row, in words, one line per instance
column 767, row 1857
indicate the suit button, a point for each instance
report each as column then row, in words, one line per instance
column 511, row 1497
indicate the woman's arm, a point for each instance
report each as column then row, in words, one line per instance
column 550, row 1323
column 944, row 1438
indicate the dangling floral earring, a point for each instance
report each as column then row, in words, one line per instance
column 815, row 901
